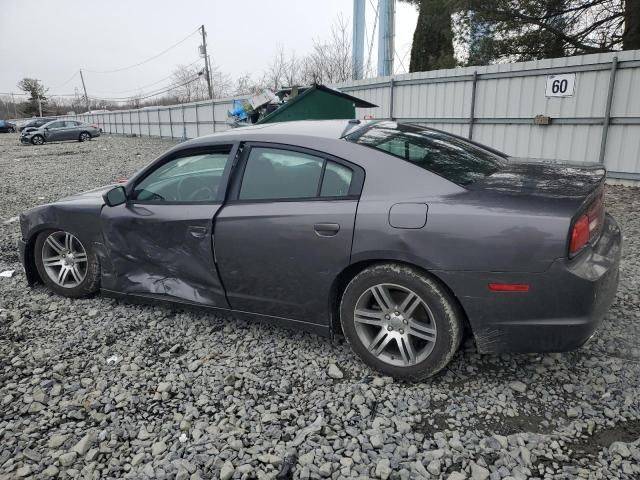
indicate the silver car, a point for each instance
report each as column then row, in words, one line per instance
column 60, row 130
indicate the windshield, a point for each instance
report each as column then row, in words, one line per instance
column 451, row 157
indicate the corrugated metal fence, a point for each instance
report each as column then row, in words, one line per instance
column 495, row 105
column 187, row 120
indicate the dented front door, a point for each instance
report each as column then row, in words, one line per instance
column 160, row 241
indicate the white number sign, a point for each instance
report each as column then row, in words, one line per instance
column 560, row 85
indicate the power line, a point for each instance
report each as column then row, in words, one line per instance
column 152, row 94
column 70, row 78
column 142, row 87
column 148, row 59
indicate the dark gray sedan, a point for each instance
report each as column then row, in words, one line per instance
column 60, row 130
column 399, row 236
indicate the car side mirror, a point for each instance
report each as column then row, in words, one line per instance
column 115, row 196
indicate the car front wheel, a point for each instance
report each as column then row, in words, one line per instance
column 66, row 265
column 37, row 140
column 400, row 321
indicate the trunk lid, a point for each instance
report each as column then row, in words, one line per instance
column 544, row 179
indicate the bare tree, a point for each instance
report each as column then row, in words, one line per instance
column 189, row 84
column 330, row 60
column 221, row 83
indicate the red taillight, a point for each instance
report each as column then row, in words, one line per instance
column 508, row 287
column 94, row 125
column 579, row 234
column 588, row 226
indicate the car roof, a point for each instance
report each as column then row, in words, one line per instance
column 333, row 129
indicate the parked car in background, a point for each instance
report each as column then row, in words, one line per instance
column 7, row 127
column 60, row 130
column 400, row 236
column 34, row 123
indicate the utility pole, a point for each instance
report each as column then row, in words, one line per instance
column 203, row 52
column 86, row 97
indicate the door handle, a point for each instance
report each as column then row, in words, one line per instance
column 197, row 231
column 326, row 229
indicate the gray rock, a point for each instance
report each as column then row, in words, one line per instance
column 434, row 467
column 325, row 469
column 334, row 371
column 227, row 470
column 478, row 472
column 518, row 386
column 57, row 440
column 195, row 365
column 457, row 476
column 383, row 469
column 50, row 472
column 164, row 387
column 620, row 448
column 376, row 441
column 158, row 448
column 84, row 444
column 23, row 471
column 67, row 459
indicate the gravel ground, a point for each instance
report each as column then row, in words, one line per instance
column 99, row 389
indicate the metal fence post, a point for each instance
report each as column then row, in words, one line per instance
column 184, row 126
column 606, row 120
column 472, row 111
column 130, row 123
column 139, row 124
column 159, row 122
column 148, row 124
column 197, row 122
column 170, row 123
column 213, row 115
column 391, row 88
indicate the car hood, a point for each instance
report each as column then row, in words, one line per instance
column 543, row 179
column 89, row 196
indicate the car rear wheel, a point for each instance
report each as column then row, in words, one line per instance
column 400, row 321
column 84, row 137
column 37, row 140
column 66, row 265
column 12, row 130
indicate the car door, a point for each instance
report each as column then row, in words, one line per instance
column 286, row 231
column 54, row 132
column 159, row 241
column 71, row 130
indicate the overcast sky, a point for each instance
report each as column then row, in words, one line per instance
column 51, row 40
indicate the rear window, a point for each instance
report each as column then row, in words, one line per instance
column 446, row 155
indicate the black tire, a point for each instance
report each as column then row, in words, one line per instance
column 445, row 312
column 12, row 130
column 89, row 285
column 84, row 137
column 37, row 140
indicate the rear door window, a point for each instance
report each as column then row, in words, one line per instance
column 272, row 174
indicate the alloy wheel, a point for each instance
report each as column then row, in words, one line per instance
column 64, row 259
column 38, row 140
column 84, row 137
column 395, row 324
